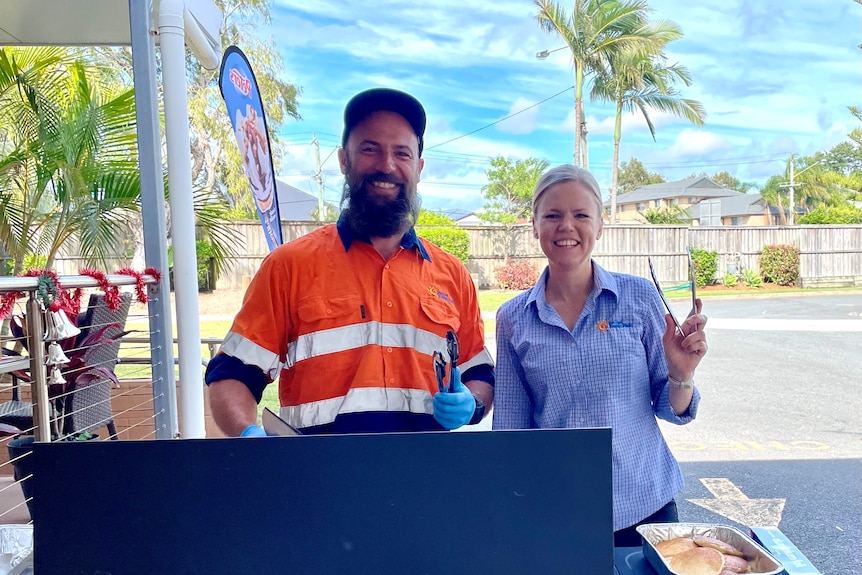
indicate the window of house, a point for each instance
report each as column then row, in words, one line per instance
column 674, row 202
column 641, row 206
column 736, row 221
column 692, row 200
column 656, row 203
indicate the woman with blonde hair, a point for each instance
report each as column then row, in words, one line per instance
column 586, row 347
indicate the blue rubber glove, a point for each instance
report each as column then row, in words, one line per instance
column 452, row 410
column 253, row 431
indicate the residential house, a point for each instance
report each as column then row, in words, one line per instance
column 737, row 210
column 706, row 204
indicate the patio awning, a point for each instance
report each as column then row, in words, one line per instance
column 71, row 22
column 110, row 22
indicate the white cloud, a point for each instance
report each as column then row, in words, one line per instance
column 630, row 123
column 698, row 143
column 524, row 122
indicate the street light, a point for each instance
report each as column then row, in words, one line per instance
column 541, row 56
column 545, row 53
column 791, row 184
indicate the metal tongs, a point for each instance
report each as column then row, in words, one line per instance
column 440, row 363
column 693, row 290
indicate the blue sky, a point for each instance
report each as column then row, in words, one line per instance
column 775, row 78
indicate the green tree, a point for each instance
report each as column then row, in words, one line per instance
column 216, row 159
column 634, row 79
column 633, row 174
column 772, row 194
column 69, row 165
column 509, row 190
column 843, row 214
column 592, row 31
column 442, row 231
column 726, row 180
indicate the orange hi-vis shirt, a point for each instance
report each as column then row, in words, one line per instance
column 351, row 335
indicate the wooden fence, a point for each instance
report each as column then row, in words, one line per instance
column 830, row 256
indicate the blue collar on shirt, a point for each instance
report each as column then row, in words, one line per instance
column 602, row 280
column 408, row 240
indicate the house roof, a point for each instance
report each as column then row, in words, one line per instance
column 732, row 206
column 294, row 205
column 700, row 187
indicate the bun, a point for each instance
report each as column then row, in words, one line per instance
column 697, row 561
column 671, row 547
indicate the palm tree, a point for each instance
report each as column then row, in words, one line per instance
column 71, row 167
column 635, row 80
column 68, row 161
column 669, row 215
column 593, row 31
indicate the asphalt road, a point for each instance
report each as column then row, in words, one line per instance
column 778, row 436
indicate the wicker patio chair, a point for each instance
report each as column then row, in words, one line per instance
column 87, row 406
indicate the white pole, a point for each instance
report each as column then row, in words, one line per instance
column 172, row 39
column 792, row 207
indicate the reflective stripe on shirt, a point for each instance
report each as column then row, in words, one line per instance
column 250, row 353
column 357, row 400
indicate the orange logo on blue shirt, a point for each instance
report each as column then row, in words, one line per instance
column 604, row 325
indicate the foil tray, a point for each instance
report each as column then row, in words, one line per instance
column 759, row 559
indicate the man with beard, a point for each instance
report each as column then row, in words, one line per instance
column 348, row 318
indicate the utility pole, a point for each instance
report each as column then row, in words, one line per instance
column 792, row 205
column 318, row 176
column 792, row 184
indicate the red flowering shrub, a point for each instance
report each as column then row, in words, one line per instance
column 517, row 274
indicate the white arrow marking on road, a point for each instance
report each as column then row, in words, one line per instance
column 732, row 503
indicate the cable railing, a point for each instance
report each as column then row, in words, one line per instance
column 105, row 372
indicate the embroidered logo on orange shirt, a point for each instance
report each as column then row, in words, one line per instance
column 441, row 294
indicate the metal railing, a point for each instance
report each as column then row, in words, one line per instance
column 141, row 408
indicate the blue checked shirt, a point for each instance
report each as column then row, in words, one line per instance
column 610, row 371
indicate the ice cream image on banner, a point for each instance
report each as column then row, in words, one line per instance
column 253, row 145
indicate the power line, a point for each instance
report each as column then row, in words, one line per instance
column 500, row 120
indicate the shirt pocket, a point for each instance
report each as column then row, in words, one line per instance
column 319, row 319
column 440, row 313
column 318, row 312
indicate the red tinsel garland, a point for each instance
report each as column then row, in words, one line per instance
column 140, row 286
column 8, row 302
column 54, row 295
column 70, row 302
column 112, row 293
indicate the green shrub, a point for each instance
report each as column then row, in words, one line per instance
column 751, row 278
column 206, row 275
column 729, row 280
column 31, row 262
column 450, row 239
column 844, row 214
column 705, row 266
column 779, row 264
column 517, row 274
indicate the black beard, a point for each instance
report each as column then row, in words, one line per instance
column 371, row 217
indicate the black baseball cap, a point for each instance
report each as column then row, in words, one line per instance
column 365, row 103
